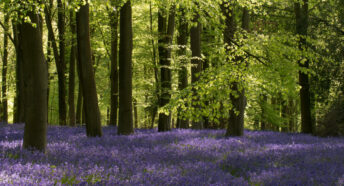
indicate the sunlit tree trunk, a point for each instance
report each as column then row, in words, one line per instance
column 4, row 72
column 125, row 118
column 92, row 114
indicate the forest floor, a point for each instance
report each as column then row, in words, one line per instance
column 179, row 157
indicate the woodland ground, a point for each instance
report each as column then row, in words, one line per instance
column 179, row 157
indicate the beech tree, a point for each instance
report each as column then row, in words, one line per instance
column 125, row 118
column 166, row 30
column 35, row 82
column 86, row 76
column 301, row 15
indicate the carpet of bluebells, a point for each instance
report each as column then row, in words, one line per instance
column 179, row 157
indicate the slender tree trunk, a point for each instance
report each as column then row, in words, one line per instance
column 125, row 119
column 196, row 61
column 301, row 15
column 19, row 103
column 35, row 91
column 4, row 72
column 114, row 67
column 135, row 114
column 154, row 109
column 182, row 41
column 72, row 60
column 79, row 106
column 92, row 114
column 62, row 64
column 166, row 32
column 263, row 102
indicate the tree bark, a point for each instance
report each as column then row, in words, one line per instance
column 236, row 114
column 114, row 67
column 60, row 65
column 79, row 106
column 136, row 121
column 4, row 72
column 196, row 61
column 35, row 84
column 166, row 31
column 92, row 114
column 72, row 71
column 125, row 119
column 19, row 100
column 301, row 15
column 182, row 41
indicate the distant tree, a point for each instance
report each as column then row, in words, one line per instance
column 125, row 119
column 92, row 114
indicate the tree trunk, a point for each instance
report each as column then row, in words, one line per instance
column 60, row 65
column 35, row 84
column 301, row 15
column 135, row 114
column 125, row 119
column 182, row 41
column 79, row 106
column 92, row 114
column 263, row 101
column 166, row 32
column 4, row 72
column 236, row 120
column 196, row 61
column 72, row 71
column 19, row 103
column 114, row 67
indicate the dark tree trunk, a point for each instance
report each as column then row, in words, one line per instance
column 78, row 119
column 154, row 109
column 72, row 60
column 35, row 84
column 114, row 67
column 166, row 32
column 60, row 65
column 92, row 114
column 135, row 114
column 284, row 113
column 301, row 15
column 182, row 41
column 4, row 72
column 235, row 121
column 19, row 103
column 263, row 101
column 125, row 119
column 196, row 61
